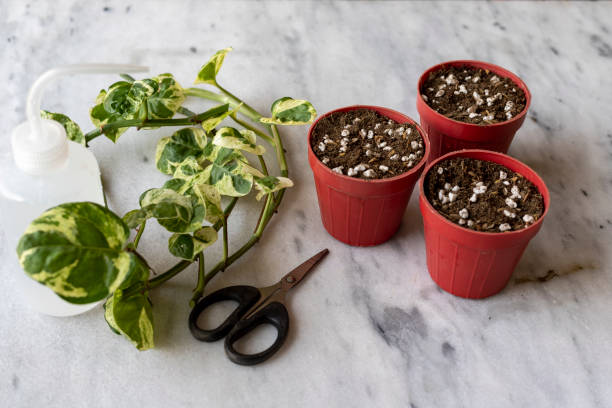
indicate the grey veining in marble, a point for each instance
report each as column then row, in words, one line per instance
column 370, row 328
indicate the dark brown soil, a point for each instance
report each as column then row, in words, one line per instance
column 364, row 144
column 482, row 195
column 473, row 95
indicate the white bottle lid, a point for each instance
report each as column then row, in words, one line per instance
column 40, row 145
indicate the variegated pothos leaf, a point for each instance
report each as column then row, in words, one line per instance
column 73, row 131
column 269, row 184
column 78, row 251
column 132, row 317
column 234, row 139
column 188, row 246
column 289, row 111
column 208, row 72
column 172, row 151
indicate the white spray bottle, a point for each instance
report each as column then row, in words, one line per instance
column 47, row 170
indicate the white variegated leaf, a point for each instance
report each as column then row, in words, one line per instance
column 270, row 184
column 234, row 139
column 208, row 72
column 289, row 111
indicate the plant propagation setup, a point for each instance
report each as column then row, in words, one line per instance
column 82, row 250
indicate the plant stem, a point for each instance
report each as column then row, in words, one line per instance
column 225, row 243
column 254, row 129
column 139, row 233
column 170, row 273
column 280, row 152
column 262, row 162
column 199, row 289
column 255, row 116
column 234, row 102
column 185, row 111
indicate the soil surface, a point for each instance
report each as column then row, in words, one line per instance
column 364, row 144
column 473, row 95
column 483, row 196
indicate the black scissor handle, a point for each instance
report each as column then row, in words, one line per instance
column 275, row 314
column 246, row 296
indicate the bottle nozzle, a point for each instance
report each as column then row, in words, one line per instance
column 40, row 144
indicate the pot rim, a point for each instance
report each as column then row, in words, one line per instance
column 477, row 64
column 461, row 153
column 376, row 109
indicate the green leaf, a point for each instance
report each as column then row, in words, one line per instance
column 188, row 246
column 234, row 139
column 289, row 111
column 211, row 198
column 173, row 150
column 77, row 250
column 187, row 169
column 166, row 99
column 152, row 98
column 229, row 178
column 208, row 72
column 212, row 117
column 100, row 116
column 270, row 184
column 73, row 131
column 173, row 211
column 134, row 218
column 131, row 317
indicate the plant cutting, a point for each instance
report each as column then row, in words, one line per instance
column 365, row 161
column 83, row 251
column 471, row 105
column 480, row 210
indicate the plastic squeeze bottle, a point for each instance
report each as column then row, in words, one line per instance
column 46, row 169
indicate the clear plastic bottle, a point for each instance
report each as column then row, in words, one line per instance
column 46, row 170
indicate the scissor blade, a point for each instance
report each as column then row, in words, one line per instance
column 292, row 278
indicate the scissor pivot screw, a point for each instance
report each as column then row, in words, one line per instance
column 290, row 279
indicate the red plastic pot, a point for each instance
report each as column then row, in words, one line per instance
column 469, row 263
column 363, row 212
column 447, row 135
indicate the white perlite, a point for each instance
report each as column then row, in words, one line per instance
column 425, row 98
column 387, row 148
column 383, row 168
column 360, row 167
column 473, row 198
column 370, row 134
column 368, row 153
column 528, row 218
column 440, row 170
column 363, row 133
column 447, row 186
column 394, row 157
column 405, row 158
column 511, row 203
column 342, row 149
column 509, row 214
column 325, row 160
column 369, row 173
column 488, row 117
column 480, row 188
column 515, row 192
column 473, row 115
column 440, row 93
column 470, row 223
column 504, row 227
column 377, row 126
column 455, row 189
column 356, row 120
column 508, row 106
column 322, row 147
column 477, row 98
column 461, row 221
column 351, row 172
column 414, row 144
column 450, row 80
column 338, row 169
column 451, row 196
column 502, row 175
column 495, row 79
column 463, row 213
column 382, row 144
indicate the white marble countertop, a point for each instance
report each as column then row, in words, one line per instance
column 369, row 327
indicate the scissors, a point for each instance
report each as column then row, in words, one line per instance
column 256, row 306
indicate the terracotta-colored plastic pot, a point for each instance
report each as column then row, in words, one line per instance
column 447, row 135
column 469, row 263
column 363, row 212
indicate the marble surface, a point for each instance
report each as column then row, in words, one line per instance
column 370, row 328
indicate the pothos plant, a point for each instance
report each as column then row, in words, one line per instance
column 83, row 251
